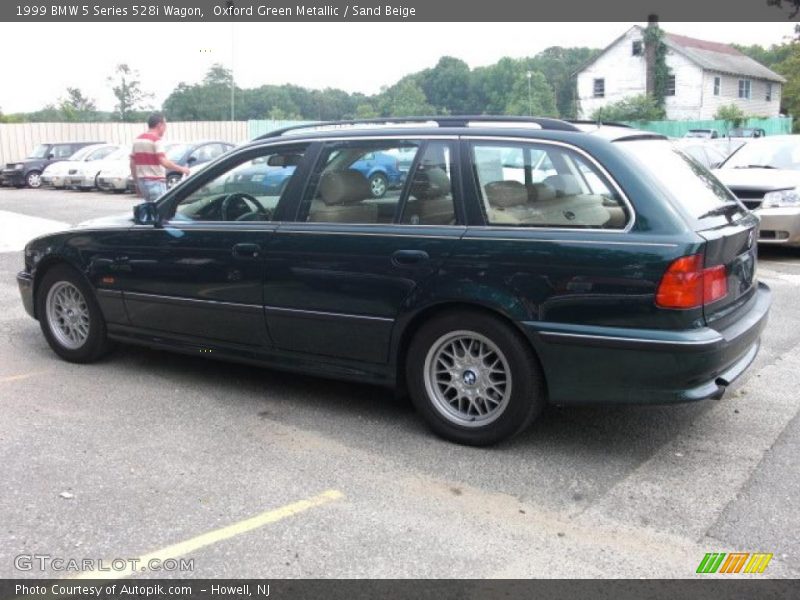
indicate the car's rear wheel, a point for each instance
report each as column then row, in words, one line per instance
column 378, row 185
column 34, row 179
column 70, row 317
column 474, row 379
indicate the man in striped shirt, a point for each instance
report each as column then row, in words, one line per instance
column 148, row 161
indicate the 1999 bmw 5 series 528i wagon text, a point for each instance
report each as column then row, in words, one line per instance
column 520, row 262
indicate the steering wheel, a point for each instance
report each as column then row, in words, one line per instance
column 251, row 206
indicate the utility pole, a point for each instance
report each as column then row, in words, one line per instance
column 530, row 101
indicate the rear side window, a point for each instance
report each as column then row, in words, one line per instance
column 359, row 182
column 543, row 185
column 688, row 182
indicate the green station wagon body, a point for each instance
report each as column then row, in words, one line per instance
column 279, row 287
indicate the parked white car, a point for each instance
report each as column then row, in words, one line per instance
column 764, row 174
column 84, row 176
column 57, row 174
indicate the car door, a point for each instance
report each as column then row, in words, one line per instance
column 200, row 273
column 339, row 274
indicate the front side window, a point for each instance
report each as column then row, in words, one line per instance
column 64, row 151
column 40, row 151
column 717, row 85
column 544, row 185
column 599, row 88
column 247, row 191
column 744, row 88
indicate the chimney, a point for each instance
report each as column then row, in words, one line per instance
column 650, row 58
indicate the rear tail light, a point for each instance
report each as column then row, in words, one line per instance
column 686, row 284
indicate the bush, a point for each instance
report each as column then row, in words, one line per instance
column 731, row 114
column 635, row 108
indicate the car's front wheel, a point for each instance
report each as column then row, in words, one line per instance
column 70, row 317
column 34, row 179
column 473, row 378
column 378, row 185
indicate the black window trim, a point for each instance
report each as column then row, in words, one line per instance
column 470, row 140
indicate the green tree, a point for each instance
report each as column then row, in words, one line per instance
column 789, row 67
column 77, row 107
column 127, row 90
column 559, row 65
column 633, row 108
column 540, row 102
column 447, row 85
column 404, row 99
column 731, row 114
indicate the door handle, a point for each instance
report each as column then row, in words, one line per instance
column 404, row 258
column 246, row 250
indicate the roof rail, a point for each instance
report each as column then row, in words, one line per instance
column 441, row 121
column 598, row 122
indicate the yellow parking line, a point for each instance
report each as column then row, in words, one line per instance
column 218, row 535
column 11, row 378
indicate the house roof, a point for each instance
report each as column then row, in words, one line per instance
column 712, row 56
column 722, row 58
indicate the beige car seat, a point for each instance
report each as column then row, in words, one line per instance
column 430, row 201
column 341, row 199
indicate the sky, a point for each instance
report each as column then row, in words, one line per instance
column 356, row 57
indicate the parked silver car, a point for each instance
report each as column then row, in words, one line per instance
column 764, row 174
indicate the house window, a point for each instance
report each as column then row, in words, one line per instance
column 670, row 91
column 744, row 88
column 599, row 88
column 769, row 93
column 717, row 85
column 636, row 48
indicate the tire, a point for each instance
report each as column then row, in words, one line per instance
column 34, row 179
column 378, row 184
column 487, row 342
column 172, row 180
column 61, row 290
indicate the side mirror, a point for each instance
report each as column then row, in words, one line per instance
column 145, row 213
column 191, row 160
column 51, row 156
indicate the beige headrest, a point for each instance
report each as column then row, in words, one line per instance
column 505, row 194
column 343, row 187
column 431, row 182
column 539, row 192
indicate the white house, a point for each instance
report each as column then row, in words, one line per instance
column 703, row 76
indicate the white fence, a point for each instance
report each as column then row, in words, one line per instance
column 18, row 139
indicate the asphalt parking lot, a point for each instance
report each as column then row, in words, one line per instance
column 256, row 473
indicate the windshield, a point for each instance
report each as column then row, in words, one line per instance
column 40, row 151
column 176, row 151
column 81, row 154
column 692, row 186
column 781, row 153
column 119, row 154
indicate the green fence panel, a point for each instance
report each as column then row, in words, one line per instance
column 772, row 126
column 257, row 128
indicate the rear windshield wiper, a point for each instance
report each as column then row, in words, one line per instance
column 721, row 210
column 755, row 167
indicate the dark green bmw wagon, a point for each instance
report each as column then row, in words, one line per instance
column 518, row 262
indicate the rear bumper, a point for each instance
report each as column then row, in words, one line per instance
column 587, row 365
column 779, row 226
column 25, row 283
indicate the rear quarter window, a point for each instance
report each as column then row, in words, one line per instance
column 691, row 186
